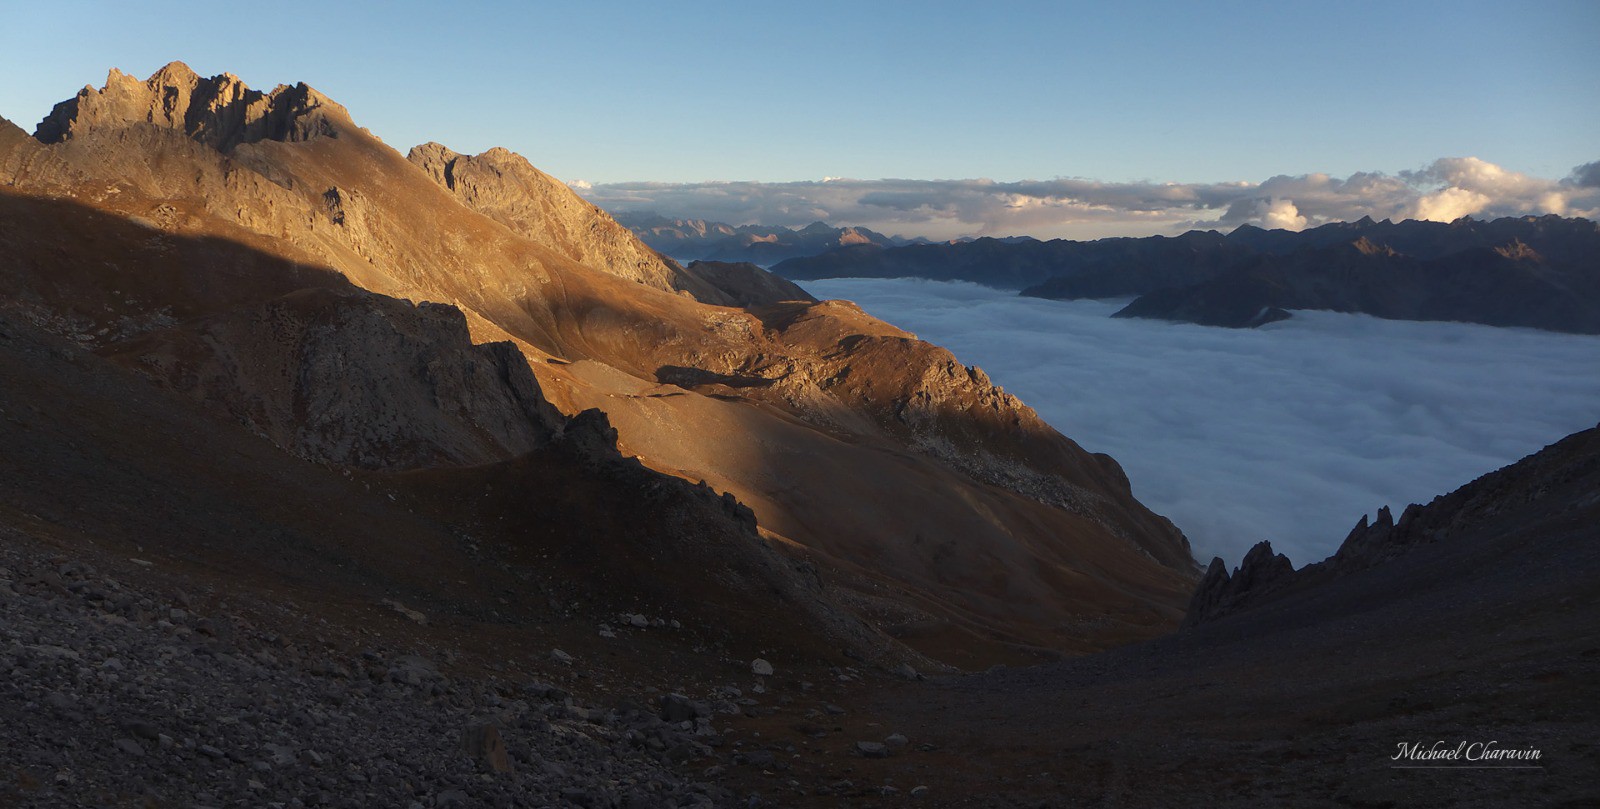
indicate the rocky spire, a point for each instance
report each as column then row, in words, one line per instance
column 221, row 111
column 1219, row 594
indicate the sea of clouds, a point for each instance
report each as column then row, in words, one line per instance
column 1290, row 432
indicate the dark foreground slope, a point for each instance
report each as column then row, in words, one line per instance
column 1480, row 623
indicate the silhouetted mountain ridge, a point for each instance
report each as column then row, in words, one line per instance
column 1547, row 493
column 1539, row 272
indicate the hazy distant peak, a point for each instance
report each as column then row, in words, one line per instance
column 221, row 111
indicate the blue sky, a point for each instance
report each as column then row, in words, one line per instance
column 682, row 92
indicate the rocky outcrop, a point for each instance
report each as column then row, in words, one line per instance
column 357, row 380
column 1372, row 543
column 1219, row 594
column 220, row 112
column 12, row 138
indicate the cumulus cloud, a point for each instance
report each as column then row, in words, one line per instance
column 1082, row 208
column 1450, row 204
column 1280, row 214
column 1232, row 435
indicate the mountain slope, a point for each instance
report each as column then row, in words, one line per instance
column 505, row 187
column 941, row 507
column 385, row 428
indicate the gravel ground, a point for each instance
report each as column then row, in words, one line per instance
column 116, row 695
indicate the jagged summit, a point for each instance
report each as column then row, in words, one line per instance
column 221, row 111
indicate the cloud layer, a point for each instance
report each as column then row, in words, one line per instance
column 1290, row 432
column 1077, row 208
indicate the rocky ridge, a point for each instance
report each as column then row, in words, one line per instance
column 1552, row 486
column 220, row 112
column 1508, row 285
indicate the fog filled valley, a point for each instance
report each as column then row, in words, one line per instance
column 1287, row 433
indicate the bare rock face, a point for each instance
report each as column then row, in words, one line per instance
column 358, row 380
column 507, row 188
column 220, row 111
column 12, row 137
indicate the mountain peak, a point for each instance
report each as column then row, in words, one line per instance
column 175, row 73
column 221, row 111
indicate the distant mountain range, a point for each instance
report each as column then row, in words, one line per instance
column 703, row 240
column 699, row 239
column 1538, row 272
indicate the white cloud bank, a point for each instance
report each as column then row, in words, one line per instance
column 1077, row 208
column 1289, row 432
